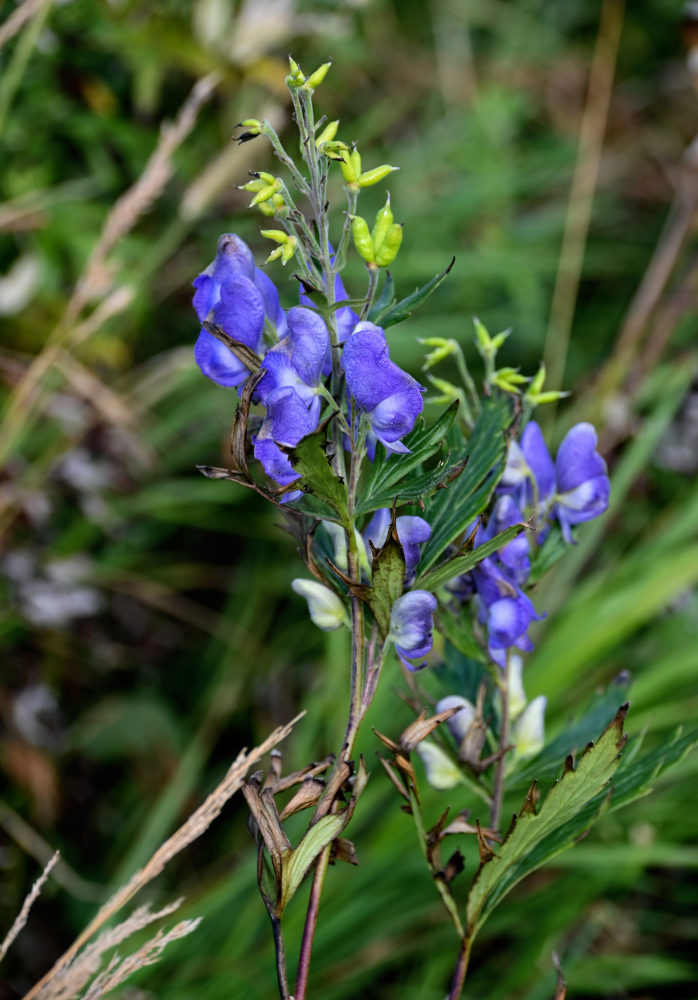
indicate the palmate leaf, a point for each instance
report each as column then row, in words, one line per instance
column 450, row 511
column 309, row 457
column 567, row 800
column 570, row 808
column 388, row 477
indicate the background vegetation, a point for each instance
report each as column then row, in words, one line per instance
column 147, row 629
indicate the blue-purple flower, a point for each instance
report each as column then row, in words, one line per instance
column 574, row 489
column 411, row 626
column 412, row 531
column 237, row 296
column 390, row 398
column 298, row 359
column 287, row 421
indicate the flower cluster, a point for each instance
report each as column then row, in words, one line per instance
column 295, row 353
column 573, row 489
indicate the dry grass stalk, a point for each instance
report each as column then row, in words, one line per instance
column 198, row 823
column 73, row 978
column 21, row 918
column 95, row 279
column 140, row 196
column 18, row 19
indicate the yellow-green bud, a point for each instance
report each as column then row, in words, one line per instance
column 448, row 390
column 375, row 175
column 256, row 185
column 335, row 149
column 387, row 252
column 508, row 379
column 538, row 381
column 384, row 220
column 295, row 78
column 266, row 193
column 483, row 339
column 267, row 208
column 251, row 123
column 277, row 235
column 328, row 133
column 316, row 78
column 362, row 239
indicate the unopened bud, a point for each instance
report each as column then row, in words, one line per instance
column 351, row 166
column 316, row 78
column 384, row 220
column 460, row 723
column 266, row 193
column 374, row 176
column 253, row 127
column 295, row 78
column 327, row 611
column 328, row 133
column 517, row 696
column 362, row 239
column 335, row 149
column 509, row 379
column 528, row 734
column 443, row 349
column 442, row 773
column 388, row 250
column 277, row 235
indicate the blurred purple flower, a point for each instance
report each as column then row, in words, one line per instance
column 411, row 626
column 391, row 399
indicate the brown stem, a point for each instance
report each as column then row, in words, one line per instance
column 280, row 959
column 460, row 970
column 310, row 925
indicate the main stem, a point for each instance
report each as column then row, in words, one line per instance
column 500, row 767
column 460, row 970
column 280, row 959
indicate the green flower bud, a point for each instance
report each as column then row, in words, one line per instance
column 442, row 773
column 277, row 235
column 508, row 379
column 253, row 128
column 384, row 220
column 335, row 149
column 328, row 133
column 387, row 252
column 375, row 175
column 256, row 185
column 448, row 391
column 362, row 239
column 288, row 251
column 327, row 611
column 316, row 78
column 538, row 381
column 266, row 193
column 266, row 208
column 482, row 338
column 295, row 78
column 351, row 167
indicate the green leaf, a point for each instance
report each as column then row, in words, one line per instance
column 405, row 307
column 546, row 555
column 388, row 475
column 571, row 805
column 299, row 861
column 387, row 579
column 385, row 300
column 450, row 511
column 464, row 563
column 459, row 632
column 309, row 457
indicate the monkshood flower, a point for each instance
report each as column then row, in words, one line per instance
column 411, row 626
column 411, row 530
column 326, row 609
column 442, row 773
column 298, row 359
column 345, row 317
column 460, row 723
column 390, row 398
column 287, row 421
column 528, row 733
column 575, row 488
column 505, row 609
column 237, row 296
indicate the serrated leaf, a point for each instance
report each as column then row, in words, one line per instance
column 405, row 307
column 464, row 563
column 452, row 510
column 298, row 862
column 570, row 806
column 309, row 457
column 388, row 477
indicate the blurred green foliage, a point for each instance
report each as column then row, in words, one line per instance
column 148, row 630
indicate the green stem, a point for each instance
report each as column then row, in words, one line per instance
column 500, row 767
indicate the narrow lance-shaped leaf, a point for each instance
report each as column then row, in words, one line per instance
column 387, row 578
column 464, row 563
column 405, row 307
